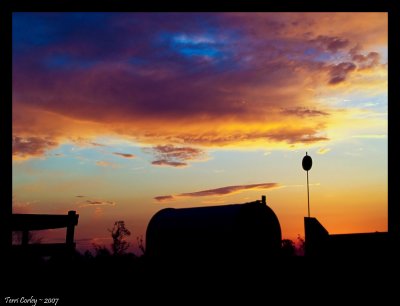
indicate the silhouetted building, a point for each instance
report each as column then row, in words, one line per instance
column 249, row 229
column 318, row 242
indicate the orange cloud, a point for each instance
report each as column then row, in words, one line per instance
column 103, row 163
column 331, row 43
column 370, row 28
column 24, row 147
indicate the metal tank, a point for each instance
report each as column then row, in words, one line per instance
column 237, row 230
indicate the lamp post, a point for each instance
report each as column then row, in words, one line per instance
column 307, row 164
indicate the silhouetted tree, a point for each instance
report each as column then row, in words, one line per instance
column 118, row 233
column 288, row 248
column 300, row 245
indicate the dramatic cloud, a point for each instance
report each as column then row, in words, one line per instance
column 169, row 155
column 219, row 191
column 125, row 155
column 202, row 79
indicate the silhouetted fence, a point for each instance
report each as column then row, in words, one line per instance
column 30, row 222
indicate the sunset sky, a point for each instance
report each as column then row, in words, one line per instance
column 118, row 115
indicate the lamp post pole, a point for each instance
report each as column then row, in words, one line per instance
column 307, row 164
column 308, row 197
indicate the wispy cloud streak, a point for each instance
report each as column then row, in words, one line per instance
column 222, row 191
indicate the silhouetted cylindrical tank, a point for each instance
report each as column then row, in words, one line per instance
column 249, row 229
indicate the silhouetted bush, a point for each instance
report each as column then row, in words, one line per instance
column 288, row 248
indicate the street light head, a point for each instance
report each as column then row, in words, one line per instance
column 307, row 162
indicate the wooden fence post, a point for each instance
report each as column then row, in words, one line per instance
column 71, row 228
